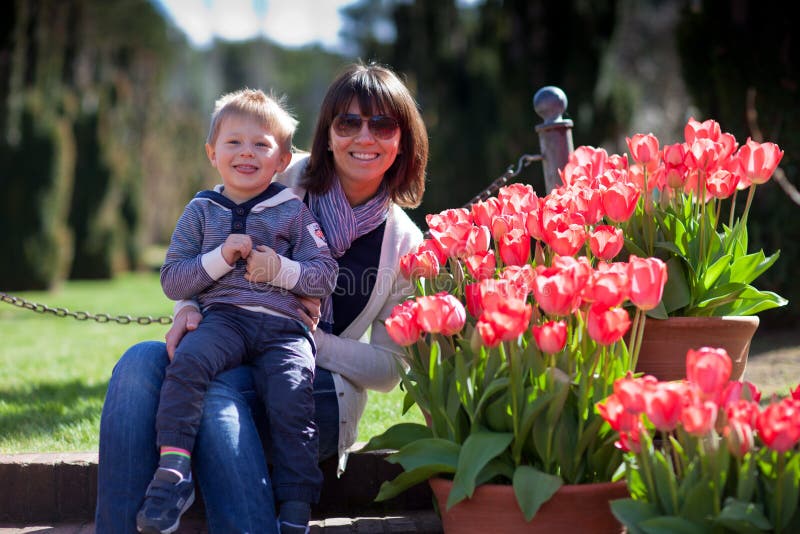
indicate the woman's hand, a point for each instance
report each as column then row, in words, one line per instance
column 309, row 313
column 263, row 265
column 186, row 320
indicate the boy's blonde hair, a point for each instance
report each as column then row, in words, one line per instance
column 268, row 110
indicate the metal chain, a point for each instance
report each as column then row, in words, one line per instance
column 82, row 315
column 511, row 172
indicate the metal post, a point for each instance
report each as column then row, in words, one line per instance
column 555, row 133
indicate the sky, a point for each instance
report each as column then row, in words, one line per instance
column 290, row 23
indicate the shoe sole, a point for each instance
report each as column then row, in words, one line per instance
column 171, row 528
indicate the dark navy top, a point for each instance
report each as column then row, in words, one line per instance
column 358, row 269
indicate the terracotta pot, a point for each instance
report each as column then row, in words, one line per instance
column 493, row 508
column 666, row 342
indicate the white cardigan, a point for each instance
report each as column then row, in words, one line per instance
column 363, row 356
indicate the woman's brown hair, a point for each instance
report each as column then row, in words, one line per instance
column 379, row 91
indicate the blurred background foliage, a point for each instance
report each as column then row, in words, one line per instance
column 104, row 106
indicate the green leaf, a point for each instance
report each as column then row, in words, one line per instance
column 426, row 452
column 478, row 449
column 742, row 517
column 713, row 273
column 698, row 502
column 398, row 436
column 664, row 481
column 789, row 491
column 533, row 488
column 677, row 292
column 631, row 513
column 408, row 479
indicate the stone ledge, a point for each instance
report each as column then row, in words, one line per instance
column 53, row 487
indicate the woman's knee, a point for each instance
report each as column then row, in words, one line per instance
column 141, row 366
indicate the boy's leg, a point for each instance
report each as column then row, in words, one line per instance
column 201, row 355
column 284, row 374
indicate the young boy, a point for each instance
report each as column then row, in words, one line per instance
column 213, row 251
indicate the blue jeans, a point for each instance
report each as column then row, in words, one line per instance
column 281, row 353
column 228, row 461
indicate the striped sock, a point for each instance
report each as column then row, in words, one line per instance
column 176, row 459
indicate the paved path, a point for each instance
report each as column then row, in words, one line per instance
column 426, row 522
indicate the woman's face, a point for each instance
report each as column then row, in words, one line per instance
column 361, row 160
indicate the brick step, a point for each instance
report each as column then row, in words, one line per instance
column 62, row 487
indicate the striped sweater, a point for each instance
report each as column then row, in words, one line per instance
column 194, row 266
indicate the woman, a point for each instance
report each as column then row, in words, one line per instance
column 367, row 162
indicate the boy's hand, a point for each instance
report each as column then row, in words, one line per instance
column 236, row 246
column 263, row 265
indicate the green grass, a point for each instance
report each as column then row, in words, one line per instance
column 54, row 371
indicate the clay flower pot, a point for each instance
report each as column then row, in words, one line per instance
column 493, row 508
column 665, row 342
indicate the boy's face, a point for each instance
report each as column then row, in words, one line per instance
column 247, row 156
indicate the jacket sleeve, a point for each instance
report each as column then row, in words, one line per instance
column 186, row 270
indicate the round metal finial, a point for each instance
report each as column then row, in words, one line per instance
column 550, row 102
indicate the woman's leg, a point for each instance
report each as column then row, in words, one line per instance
column 228, row 459
column 128, row 453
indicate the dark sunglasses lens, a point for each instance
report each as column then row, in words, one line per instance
column 383, row 127
column 347, row 125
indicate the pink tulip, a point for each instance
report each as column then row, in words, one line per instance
column 483, row 212
column 440, row 221
column 779, row 425
column 515, row 247
column 419, row 265
column 708, row 129
column 698, row 418
column 721, row 184
column 616, row 414
column 505, row 320
column 606, row 241
column 709, row 369
column 619, row 201
column 555, row 290
column 607, row 325
column 664, row 405
column 402, row 324
column 551, row 337
column 739, row 437
column 608, row 286
column 648, row 277
column 759, row 160
column 441, row 313
column 644, row 150
column 481, row 265
column 478, row 240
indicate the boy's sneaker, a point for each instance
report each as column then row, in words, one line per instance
column 168, row 496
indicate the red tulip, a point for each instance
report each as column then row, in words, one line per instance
column 618, row 417
column 503, row 321
column 565, row 238
column 440, row 221
column 675, row 165
column 699, row 418
column 742, row 410
column 515, row 247
column 779, row 425
column 483, row 212
column 721, row 184
column 609, row 286
column 644, row 150
column 606, row 241
column 555, row 290
column 402, row 324
column 619, row 201
column 736, row 390
column 441, row 313
column 664, row 405
column 472, row 296
column 739, row 436
column 433, row 246
column 631, row 392
column 647, row 276
column 481, row 265
column 708, row 129
column 796, row 392
column 607, row 325
column 452, row 239
column 759, row 160
column 551, row 337
column 709, row 369
column 520, row 280
column 419, row 265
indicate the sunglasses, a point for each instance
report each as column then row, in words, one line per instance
column 380, row 126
